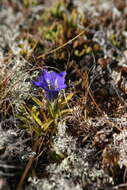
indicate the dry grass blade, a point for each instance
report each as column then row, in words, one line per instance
column 58, row 48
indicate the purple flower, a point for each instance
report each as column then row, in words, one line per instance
column 52, row 83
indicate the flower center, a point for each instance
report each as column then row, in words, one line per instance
column 49, row 85
column 52, row 87
column 56, row 84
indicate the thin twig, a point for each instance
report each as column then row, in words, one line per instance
column 28, row 166
column 58, row 48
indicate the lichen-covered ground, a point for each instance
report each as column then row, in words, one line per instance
column 88, row 40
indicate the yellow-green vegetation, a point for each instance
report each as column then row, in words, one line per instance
column 117, row 40
column 62, row 23
column 28, row 3
column 43, row 117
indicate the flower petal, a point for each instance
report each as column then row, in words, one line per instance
column 51, row 78
column 41, row 82
column 61, row 81
column 52, row 83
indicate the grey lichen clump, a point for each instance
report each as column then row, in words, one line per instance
column 12, row 141
column 14, row 68
column 71, row 172
column 120, row 143
column 21, row 80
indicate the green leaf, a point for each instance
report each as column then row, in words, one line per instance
column 38, row 102
column 66, row 111
column 35, row 117
column 37, row 130
column 47, row 124
column 65, row 101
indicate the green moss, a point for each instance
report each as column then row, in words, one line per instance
column 61, row 24
column 116, row 40
column 29, row 3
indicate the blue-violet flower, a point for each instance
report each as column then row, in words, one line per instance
column 52, row 83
